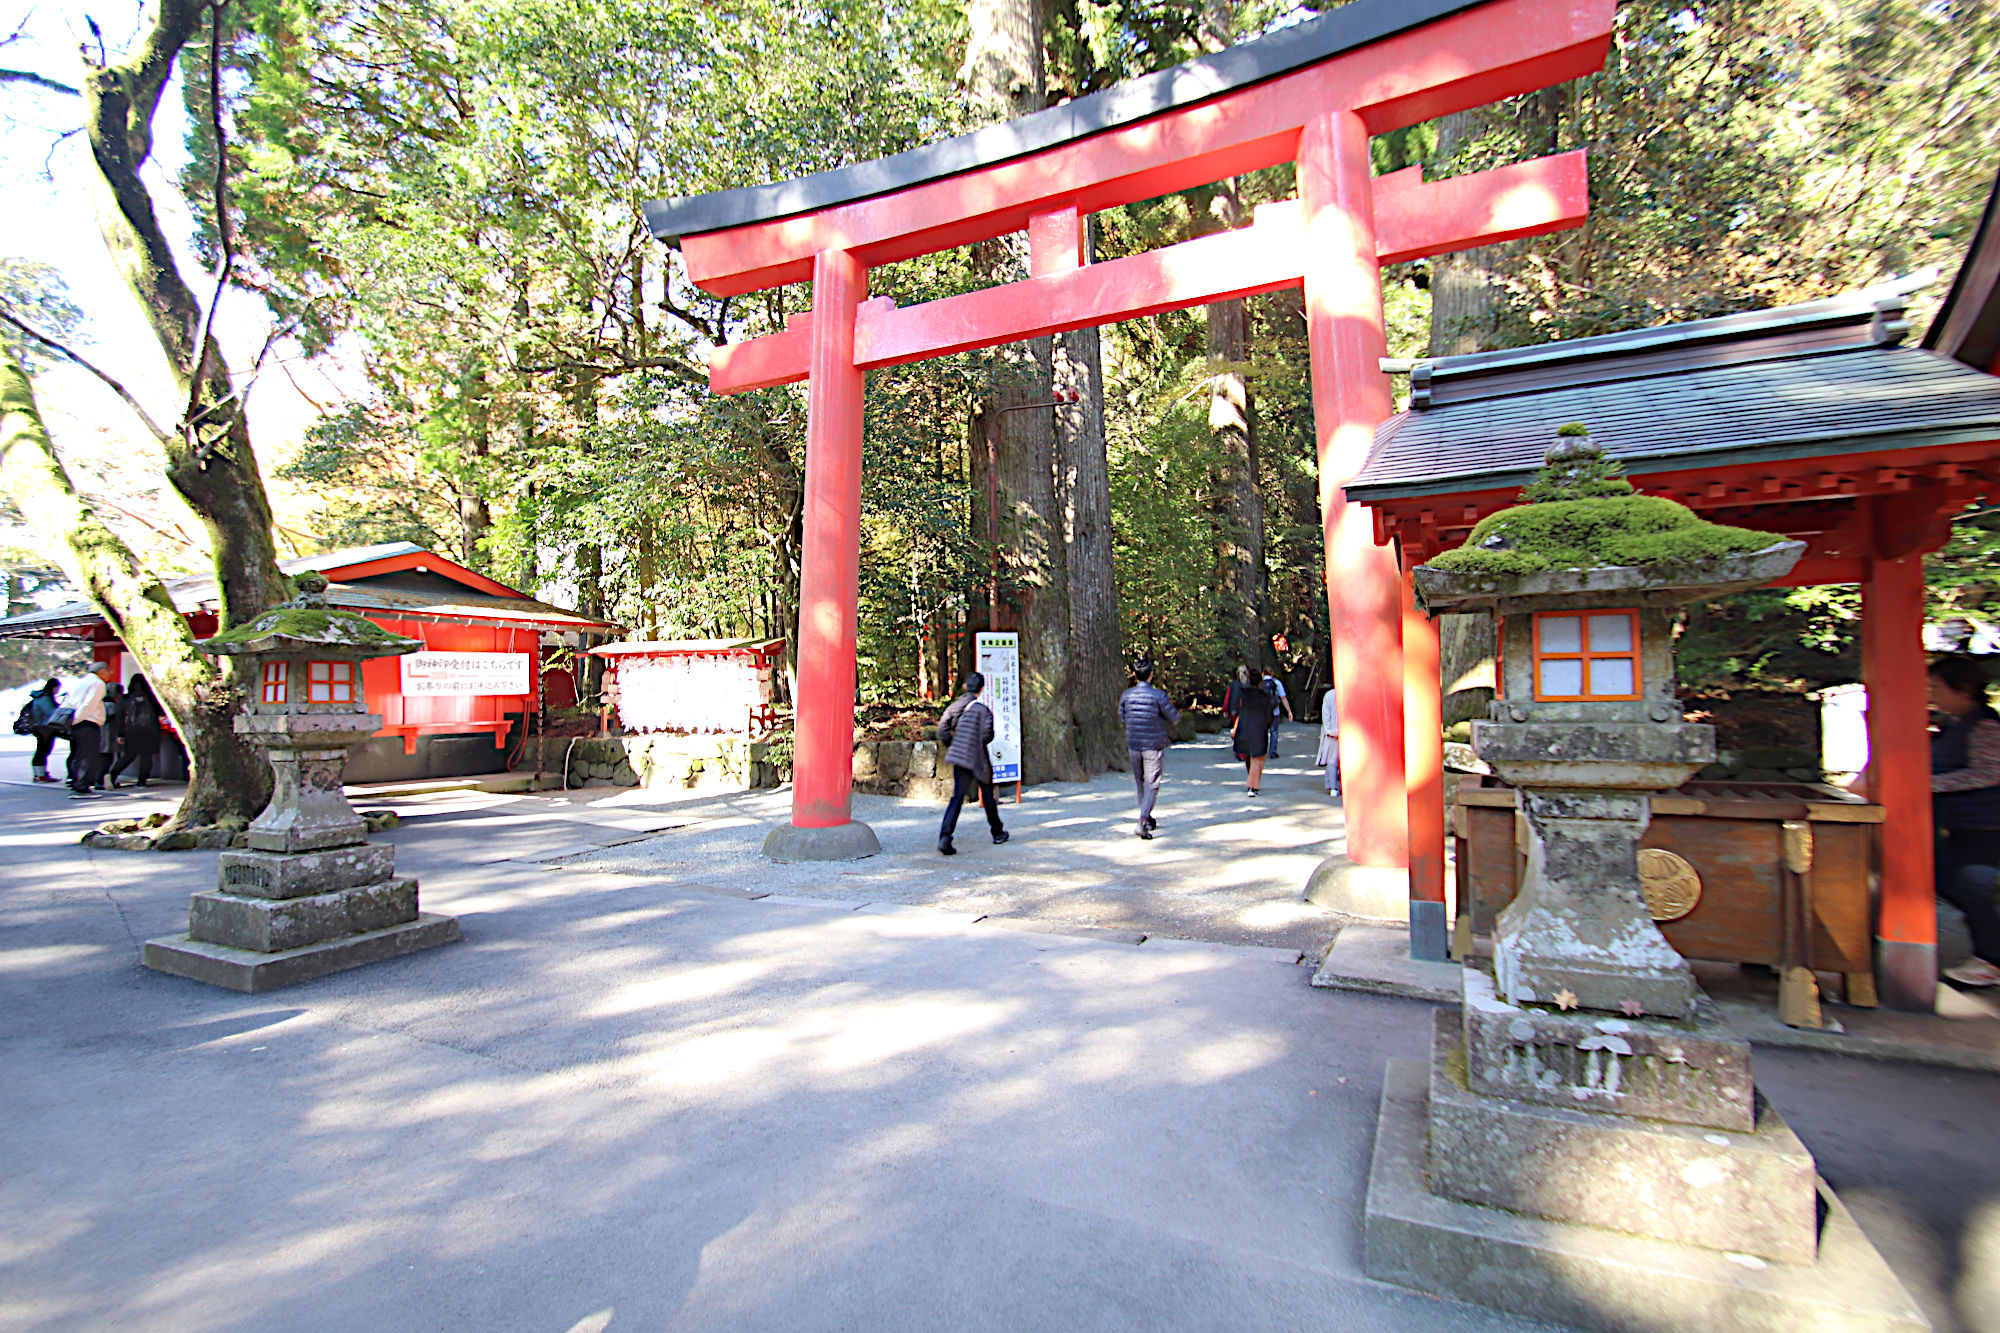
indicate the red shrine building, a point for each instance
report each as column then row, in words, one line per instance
column 1822, row 422
column 458, row 707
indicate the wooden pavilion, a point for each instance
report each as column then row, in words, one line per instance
column 1818, row 421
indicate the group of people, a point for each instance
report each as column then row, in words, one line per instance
column 1252, row 705
column 110, row 727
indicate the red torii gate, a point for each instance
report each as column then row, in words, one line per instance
column 1312, row 95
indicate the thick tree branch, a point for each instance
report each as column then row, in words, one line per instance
column 35, row 80
column 213, row 468
column 225, row 239
column 152, row 426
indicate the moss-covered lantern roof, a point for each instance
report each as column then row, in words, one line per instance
column 306, row 625
column 1583, row 528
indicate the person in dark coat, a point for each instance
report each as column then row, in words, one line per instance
column 42, row 705
column 963, row 734
column 111, row 737
column 1965, row 807
column 1147, row 713
column 1252, row 734
column 139, row 731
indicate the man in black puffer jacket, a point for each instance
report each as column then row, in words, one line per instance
column 963, row 734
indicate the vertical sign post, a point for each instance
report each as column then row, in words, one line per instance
column 998, row 658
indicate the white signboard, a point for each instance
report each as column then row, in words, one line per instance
column 467, row 673
column 998, row 658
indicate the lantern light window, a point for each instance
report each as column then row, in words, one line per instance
column 274, row 683
column 330, row 682
column 1586, row 656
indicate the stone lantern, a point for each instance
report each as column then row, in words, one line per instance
column 312, row 895
column 1586, row 1144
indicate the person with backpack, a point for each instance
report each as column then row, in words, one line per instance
column 111, row 737
column 34, row 721
column 963, row 734
column 1279, row 702
column 139, row 732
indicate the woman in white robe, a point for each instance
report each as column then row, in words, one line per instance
column 1329, row 741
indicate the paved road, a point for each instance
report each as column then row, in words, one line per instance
column 627, row 1103
column 1224, row 867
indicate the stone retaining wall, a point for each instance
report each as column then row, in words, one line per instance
column 678, row 763
column 901, row 768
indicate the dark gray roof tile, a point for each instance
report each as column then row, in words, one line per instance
column 1865, row 396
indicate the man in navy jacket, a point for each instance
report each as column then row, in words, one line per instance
column 1147, row 713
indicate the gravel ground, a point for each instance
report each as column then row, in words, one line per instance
column 1223, row 868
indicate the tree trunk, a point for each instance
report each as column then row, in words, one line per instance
column 211, row 464
column 1238, row 509
column 580, row 391
column 1003, row 78
column 1034, row 565
column 475, row 516
column 1097, row 670
column 227, row 776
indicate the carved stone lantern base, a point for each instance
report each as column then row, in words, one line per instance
column 313, row 895
column 1610, row 1173
column 276, row 918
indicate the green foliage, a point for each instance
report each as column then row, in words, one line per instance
column 1751, row 154
column 1782, row 638
column 1641, row 530
column 453, row 191
column 35, row 294
column 1163, row 461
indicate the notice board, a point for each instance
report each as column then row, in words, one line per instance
column 997, row 656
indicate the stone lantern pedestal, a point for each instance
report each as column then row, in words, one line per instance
column 1586, row 1143
column 312, row 895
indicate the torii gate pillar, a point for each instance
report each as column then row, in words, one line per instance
column 1350, row 397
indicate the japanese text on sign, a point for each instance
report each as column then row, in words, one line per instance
column 467, row 673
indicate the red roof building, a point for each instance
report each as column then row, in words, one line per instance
column 493, row 655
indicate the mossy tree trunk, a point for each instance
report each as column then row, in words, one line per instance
column 229, row 777
column 1097, row 673
column 1237, row 505
column 210, row 463
column 1465, row 317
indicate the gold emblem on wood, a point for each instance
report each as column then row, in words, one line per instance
column 1670, row 884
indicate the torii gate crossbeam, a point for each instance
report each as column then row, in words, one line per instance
column 1312, row 95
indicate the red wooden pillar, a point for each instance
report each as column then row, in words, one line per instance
column 830, row 562
column 1423, row 769
column 1343, row 297
column 1896, row 673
